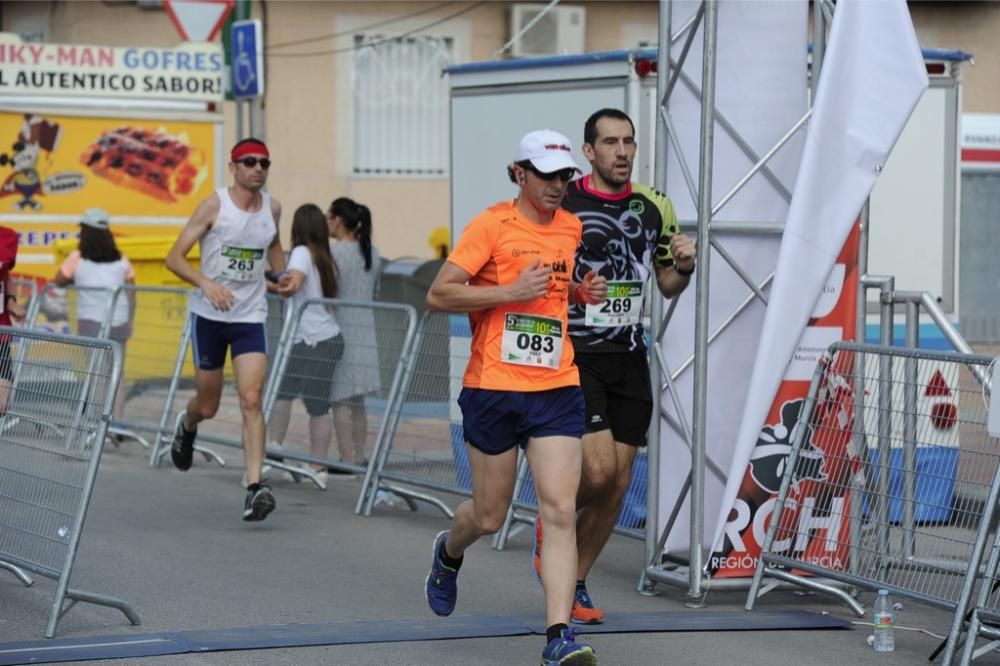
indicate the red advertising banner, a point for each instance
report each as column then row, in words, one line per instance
column 812, row 518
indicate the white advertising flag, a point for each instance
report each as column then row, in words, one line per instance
column 873, row 75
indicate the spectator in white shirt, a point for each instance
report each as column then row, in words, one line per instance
column 318, row 344
column 99, row 267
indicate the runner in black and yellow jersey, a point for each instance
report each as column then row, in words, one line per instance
column 629, row 232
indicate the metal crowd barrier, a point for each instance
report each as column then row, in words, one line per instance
column 868, row 496
column 984, row 620
column 424, row 447
column 61, row 408
column 57, row 308
column 152, row 310
column 157, row 323
column 54, row 310
column 359, row 391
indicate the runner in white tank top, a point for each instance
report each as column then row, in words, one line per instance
column 232, row 254
column 238, row 231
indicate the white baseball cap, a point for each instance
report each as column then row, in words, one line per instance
column 547, row 151
column 97, row 218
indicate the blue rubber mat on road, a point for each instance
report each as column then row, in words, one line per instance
column 702, row 620
column 85, row 649
column 257, row 638
column 430, row 629
column 348, row 633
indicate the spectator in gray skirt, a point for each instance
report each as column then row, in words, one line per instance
column 318, row 343
column 357, row 375
column 98, row 263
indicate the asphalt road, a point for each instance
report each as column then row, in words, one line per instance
column 173, row 545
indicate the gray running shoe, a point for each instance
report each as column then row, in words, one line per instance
column 258, row 504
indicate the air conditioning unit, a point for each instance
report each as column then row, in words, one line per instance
column 560, row 31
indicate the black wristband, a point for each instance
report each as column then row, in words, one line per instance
column 682, row 272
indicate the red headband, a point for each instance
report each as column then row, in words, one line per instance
column 249, row 148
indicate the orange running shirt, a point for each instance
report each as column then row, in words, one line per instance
column 515, row 345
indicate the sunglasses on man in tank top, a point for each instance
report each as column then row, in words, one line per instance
column 251, row 162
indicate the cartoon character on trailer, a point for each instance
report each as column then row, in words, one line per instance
column 36, row 135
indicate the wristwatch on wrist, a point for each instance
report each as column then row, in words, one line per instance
column 688, row 273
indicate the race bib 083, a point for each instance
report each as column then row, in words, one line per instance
column 532, row 340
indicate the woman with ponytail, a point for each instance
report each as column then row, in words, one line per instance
column 357, row 376
column 318, row 344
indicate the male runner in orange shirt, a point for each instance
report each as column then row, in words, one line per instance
column 511, row 271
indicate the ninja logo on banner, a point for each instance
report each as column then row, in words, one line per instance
column 767, row 462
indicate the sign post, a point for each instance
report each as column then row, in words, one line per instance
column 240, row 13
column 246, row 41
column 248, row 60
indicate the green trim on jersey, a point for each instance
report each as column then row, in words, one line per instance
column 624, row 239
column 664, row 255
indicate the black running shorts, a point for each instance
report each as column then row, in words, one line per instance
column 617, row 393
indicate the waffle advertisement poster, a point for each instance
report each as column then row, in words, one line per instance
column 149, row 175
column 53, row 166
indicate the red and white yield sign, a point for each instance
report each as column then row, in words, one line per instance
column 198, row 20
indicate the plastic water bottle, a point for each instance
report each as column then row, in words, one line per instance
column 884, row 620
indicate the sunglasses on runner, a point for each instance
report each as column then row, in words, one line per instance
column 251, row 162
column 565, row 175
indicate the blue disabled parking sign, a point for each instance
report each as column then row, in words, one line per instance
column 247, row 60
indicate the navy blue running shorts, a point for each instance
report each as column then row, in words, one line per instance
column 212, row 338
column 497, row 421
